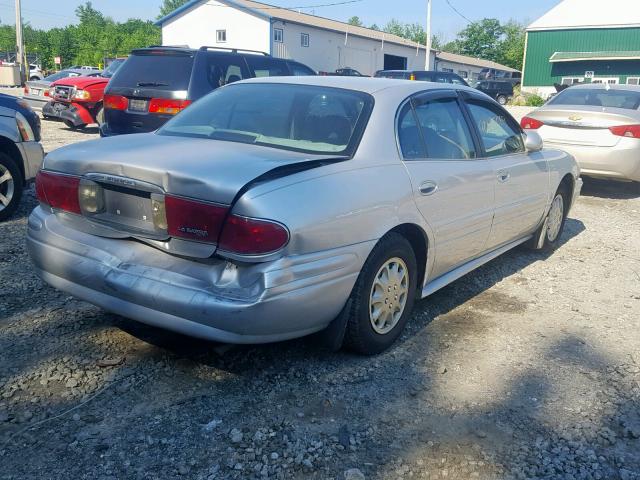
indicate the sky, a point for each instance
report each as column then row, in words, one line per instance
column 446, row 22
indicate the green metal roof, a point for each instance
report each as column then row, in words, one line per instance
column 584, row 56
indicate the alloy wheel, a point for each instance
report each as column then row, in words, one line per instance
column 7, row 187
column 554, row 221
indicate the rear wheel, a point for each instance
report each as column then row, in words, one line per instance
column 100, row 116
column 501, row 99
column 547, row 237
column 72, row 126
column 382, row 299
column 11, row 185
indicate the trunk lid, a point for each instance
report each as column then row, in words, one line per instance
column 582, row 125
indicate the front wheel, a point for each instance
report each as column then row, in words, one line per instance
column 547, row 237
column 72, row 126
column 383, row 296
column 11, row 185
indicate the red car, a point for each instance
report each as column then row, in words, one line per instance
column 77, row 101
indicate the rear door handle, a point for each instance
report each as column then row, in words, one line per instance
column 503, row 176
column 428, row 188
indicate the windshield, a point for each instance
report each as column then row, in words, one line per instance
column 598, row 97
column 287, row 116
column 112, row 68
column 57, row 76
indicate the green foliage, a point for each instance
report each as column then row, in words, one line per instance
column 169, row 6
column 512, row 45
column 94, row 38
column 481, row 39
column 535, row 101
column 355, row 20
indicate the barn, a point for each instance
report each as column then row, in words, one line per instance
column 583, row 41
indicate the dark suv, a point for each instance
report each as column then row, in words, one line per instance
column 501, row 91
column 155, row 83
column 423, row 75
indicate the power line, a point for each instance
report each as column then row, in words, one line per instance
column 38, row 12
column 457, row 11
column 271, row 7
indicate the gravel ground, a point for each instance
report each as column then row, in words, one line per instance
column 527, row 368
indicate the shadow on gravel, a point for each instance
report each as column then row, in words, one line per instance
column 610, row 189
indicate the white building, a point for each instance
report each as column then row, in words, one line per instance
column 320, row 43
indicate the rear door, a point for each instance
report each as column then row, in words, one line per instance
column 521, row 179
column 453, row 188
column 146, row 75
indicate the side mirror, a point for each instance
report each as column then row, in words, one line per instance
column 533, row 141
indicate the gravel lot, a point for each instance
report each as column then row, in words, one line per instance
column 527, row 368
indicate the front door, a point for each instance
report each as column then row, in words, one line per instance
column 453, row 189
column 521, row 178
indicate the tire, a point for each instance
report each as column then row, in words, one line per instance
column 11, row 185
column 547, row 237
column 501, row 99
column 70, row 125
column 365, row 333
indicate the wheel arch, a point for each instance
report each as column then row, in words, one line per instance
column 419, row 241
column 8, row 147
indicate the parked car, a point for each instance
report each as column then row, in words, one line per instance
column 500, row 91
column 344, row 72
column 36, row 92
column 513, row 77
column 598, row 124
column 20, row 151
column 275, row 208
column 78, row 101
column 423, row 75
column 35, row 72
column 158, row 82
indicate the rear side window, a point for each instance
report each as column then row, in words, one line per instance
column 424, row 76
column 598, row 97
column 164, row 71
column 498, row 134
column 266, row 66
column 224, row 69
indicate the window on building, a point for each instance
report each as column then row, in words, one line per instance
column 278, row 35
column 572, row 80
column 449, row 70
column 609, row 80
column 221, row 36
column 633, row 80
column 463, row 73
column 304, row 39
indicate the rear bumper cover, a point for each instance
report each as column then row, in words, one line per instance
column 236, row 303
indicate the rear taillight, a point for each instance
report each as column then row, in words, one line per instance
column 194, row 220
column 26, row 90
column 252, row 236
column 46, row 93
column 115, row 102
column 629, row 131
column 58, row 191
column 167, row 106
column 530, row 123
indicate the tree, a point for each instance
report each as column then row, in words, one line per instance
column 411, row 31
column 512, row 45
column 481, row 39
column 169, row 6
column 355, row 21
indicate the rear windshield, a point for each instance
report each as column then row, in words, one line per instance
column 598, row 97
column 164, row 71
column 291, row 117
column 58, row 75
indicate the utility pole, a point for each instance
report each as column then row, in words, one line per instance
column 427, row 62
column 19, row 42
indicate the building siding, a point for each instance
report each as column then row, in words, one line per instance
column 539, row 72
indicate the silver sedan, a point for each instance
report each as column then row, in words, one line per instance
column 276, row 208
column 598, row 124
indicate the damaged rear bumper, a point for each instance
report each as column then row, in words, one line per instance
column 215, row 300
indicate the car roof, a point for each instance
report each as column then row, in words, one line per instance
column 607, row 86
column 362, row 84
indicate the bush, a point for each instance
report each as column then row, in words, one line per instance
column 535, row 101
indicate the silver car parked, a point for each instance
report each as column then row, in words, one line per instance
column 599, row 124
column 274, row 208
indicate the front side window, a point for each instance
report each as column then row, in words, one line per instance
column 498, row 133
column 303, row 118
column 221, row 36
column 299, row 69
column 263, row 66
column 278, row 35
column 435, row 129
column 304, row 39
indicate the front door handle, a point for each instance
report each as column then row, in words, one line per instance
column 428, row 188
column 503, row 176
